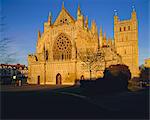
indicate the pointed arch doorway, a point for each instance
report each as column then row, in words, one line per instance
column 58, row 79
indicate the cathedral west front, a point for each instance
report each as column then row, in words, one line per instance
column 70, row 50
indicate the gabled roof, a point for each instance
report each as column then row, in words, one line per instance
column 64, row 14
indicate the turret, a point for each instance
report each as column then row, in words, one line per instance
column 116, row 22
column 116, row 19
column 133, row 14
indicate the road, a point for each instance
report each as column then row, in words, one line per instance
column 44, row 104
column 47, row 103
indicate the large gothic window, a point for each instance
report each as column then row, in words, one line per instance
column 62, row 48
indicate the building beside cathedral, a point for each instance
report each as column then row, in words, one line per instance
column 70, row 50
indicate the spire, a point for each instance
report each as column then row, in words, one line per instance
column 79, row 11
column 94, row 27
column 50, row 18
column 80, row 17
column 86, row 22
column 63, row 5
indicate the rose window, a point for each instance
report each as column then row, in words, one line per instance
column 62, row 48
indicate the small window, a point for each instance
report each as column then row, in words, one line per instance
column 120, row 29
column 124, row 28
column 128, row 27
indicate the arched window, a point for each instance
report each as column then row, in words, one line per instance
column 62, row 48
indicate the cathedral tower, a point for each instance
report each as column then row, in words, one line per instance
column 126, row 41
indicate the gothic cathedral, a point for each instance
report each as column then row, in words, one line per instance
column 70, row 50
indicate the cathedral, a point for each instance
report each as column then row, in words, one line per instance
column 69, row 50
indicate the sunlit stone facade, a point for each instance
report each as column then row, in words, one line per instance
column 69, row 50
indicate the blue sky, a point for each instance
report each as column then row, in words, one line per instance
column 25, row 17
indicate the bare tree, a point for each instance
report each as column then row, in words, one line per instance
column 6, row 55
column 90, row 57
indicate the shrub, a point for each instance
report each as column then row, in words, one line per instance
column 115, row 79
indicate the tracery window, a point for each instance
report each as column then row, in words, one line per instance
column 62, row 48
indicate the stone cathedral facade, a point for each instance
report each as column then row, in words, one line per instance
column 70, row 50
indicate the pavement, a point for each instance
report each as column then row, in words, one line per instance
column 55, row 102
column 47, row 104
